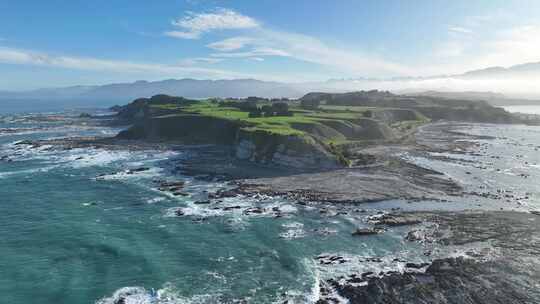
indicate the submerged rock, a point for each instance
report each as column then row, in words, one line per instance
column 175, row 187
column 136, row 170
column 398, row 219
column 416, row 265
column 180, row 193
column 368, row 231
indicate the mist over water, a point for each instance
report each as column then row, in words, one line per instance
column 525, row 109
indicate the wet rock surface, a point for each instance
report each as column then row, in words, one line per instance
column 380, row 176
column 503, row 272
column 368, row 231
column 398, row 180
column 380, row 173
column 397, row 220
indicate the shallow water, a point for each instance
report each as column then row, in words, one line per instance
column 69, row 237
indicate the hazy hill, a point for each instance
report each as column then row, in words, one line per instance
column 190, row 88
column 509, row 81
column 520, row 71
column 495, row 99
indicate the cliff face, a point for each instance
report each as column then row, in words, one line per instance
column 193, row 129
column 284, row 150
column 258, row 146
column 391, row 116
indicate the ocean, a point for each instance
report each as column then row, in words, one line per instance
column 78, row 227
column 524, row 109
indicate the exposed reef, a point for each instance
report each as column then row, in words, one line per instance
column 399, row 180
column 496, row 262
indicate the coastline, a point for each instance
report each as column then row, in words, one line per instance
column 383, row 174
column 477, row 257
column 387, row 172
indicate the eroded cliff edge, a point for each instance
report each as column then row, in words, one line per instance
column 317, row 131
column 295, row 137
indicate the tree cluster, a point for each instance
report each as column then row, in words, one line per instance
column 310, row 104
column 276, row 109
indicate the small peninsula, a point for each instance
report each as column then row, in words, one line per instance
column 319, row 130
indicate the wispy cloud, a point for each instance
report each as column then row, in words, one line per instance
column 471, row 45
column 193, row 25
column 495, row 47
column 461, row 30
column 231, row 44
column 262, row 42
column 198, row 60
column 183, row 35
column 265, row 42
column 259, row 41
column 26, row 57
column 255, row 52
column 512, row 46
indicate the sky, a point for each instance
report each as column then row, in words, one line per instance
column 61, row 43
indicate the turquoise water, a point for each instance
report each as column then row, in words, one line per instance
column 69, row 237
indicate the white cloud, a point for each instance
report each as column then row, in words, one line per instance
column 25, row 57
column 476, row 44
column 313, row 50
column 503, row 47
column 182, row 35
column 452, row 48
column 461, row 30
column 261, row 42
column 473, row 46
column 143, row 70
column 256, row 52
column 306, row 48
column 513, row 46
column 194, row 61
column 230, row 44
column 194, row 25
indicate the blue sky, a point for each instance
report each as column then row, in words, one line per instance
column 58, row 43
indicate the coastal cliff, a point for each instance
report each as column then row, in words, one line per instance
column 290, row 150
column 317, row 131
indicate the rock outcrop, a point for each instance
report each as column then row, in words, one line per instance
column 284, row 150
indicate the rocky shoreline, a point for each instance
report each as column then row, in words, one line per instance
column 468, row 257
column 478, row 257
column 379, row 174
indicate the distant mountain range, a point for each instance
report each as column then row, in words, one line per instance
column 191, row 88
column 494, row 99
column 520, row 71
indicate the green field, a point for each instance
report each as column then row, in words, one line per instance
column 302, row 120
